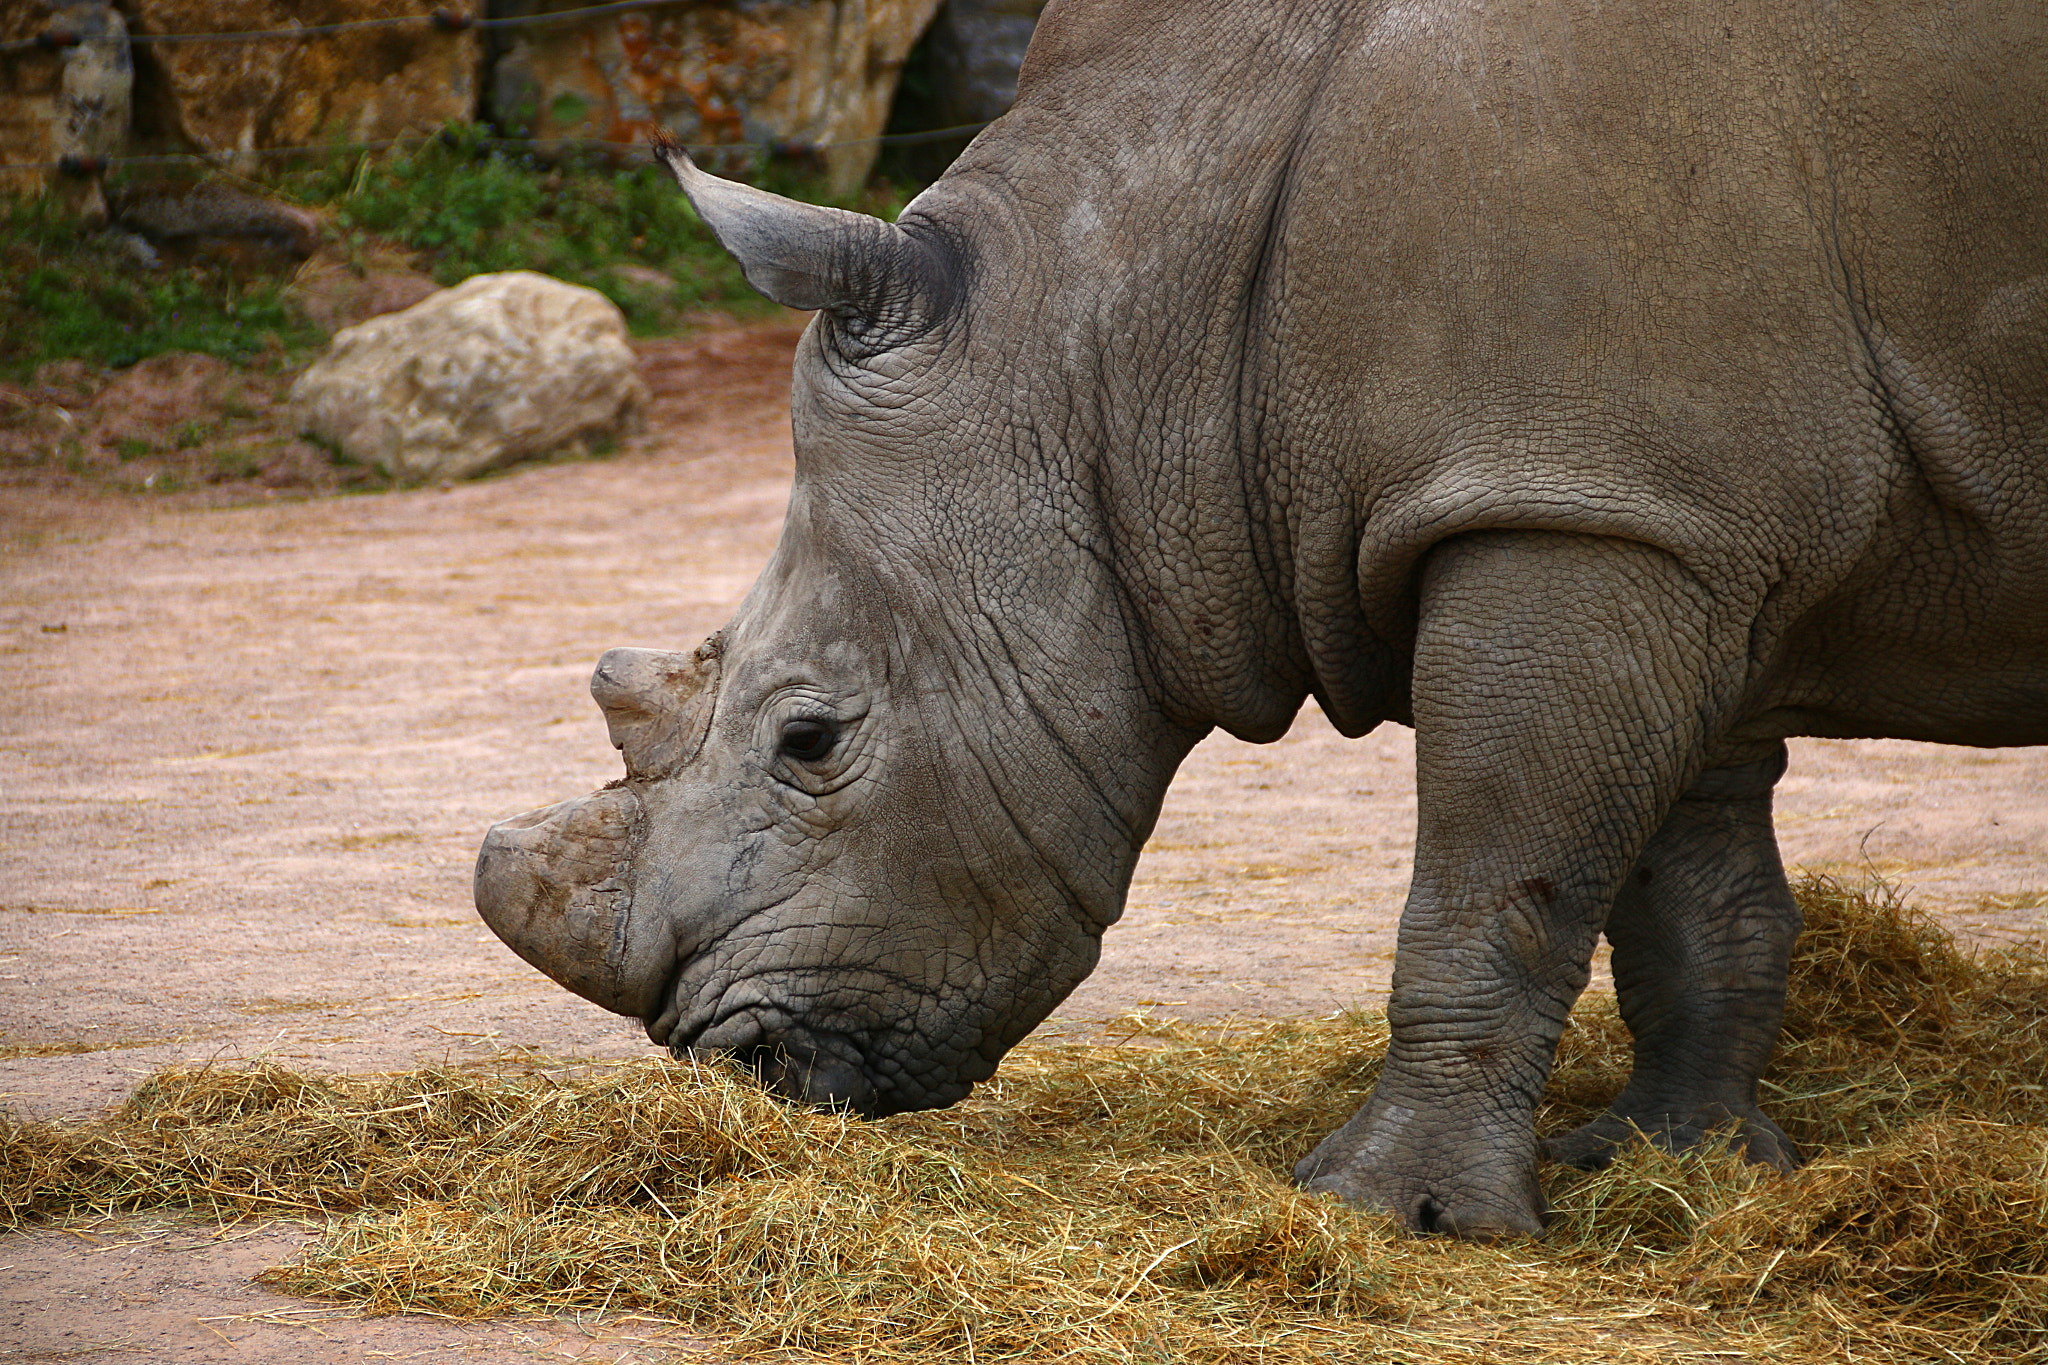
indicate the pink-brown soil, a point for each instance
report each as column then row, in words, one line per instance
column 246, row 754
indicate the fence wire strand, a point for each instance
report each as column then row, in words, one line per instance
column 578, row 143
column 443, row 19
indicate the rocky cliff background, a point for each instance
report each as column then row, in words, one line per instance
column 84, row 82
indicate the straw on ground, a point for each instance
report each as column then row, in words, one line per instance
column 1128, row 1202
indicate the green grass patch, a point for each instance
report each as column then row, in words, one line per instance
column 468, row 208
column 454, row 203
column 68, row 293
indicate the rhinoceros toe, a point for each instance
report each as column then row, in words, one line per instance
column 1440, row 1177
column 1593, row 1145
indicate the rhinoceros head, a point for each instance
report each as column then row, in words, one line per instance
column 870, row 833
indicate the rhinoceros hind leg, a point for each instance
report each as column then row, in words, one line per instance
column 1702, row 931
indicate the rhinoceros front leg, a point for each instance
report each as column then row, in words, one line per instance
column 1702, row 929
column 1564, row 687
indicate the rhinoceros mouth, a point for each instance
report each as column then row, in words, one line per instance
column 825, row 1070
column 810, row 1062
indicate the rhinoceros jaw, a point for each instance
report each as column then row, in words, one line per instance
column 824, row 1070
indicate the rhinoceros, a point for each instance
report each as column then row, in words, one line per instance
column 1609, row 392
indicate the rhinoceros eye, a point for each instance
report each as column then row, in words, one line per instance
column 807, row 741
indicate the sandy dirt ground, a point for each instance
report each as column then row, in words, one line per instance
column 246, row 755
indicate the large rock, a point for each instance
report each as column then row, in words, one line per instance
column 497, row 369
column 69, row 102
column 233, row 99
column 973, row 54
column 813, row 73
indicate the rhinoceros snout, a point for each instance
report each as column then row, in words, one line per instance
column 813, row 1077
column 555, row 884
column 824, row 1071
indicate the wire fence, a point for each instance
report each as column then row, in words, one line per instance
column 444, row 20
column 97, row 165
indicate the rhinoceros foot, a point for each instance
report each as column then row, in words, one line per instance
column 1744, row 1128
column 1435, row 1173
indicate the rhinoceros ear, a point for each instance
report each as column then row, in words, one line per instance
column 873, row 277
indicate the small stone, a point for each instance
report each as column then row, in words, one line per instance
column 644, row 279
column 331, row 295
column 171, row 211
column 498, row 369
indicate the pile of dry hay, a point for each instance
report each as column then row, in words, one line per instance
column 1129, row 1203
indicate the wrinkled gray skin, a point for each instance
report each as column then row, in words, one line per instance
column 1608, row 392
